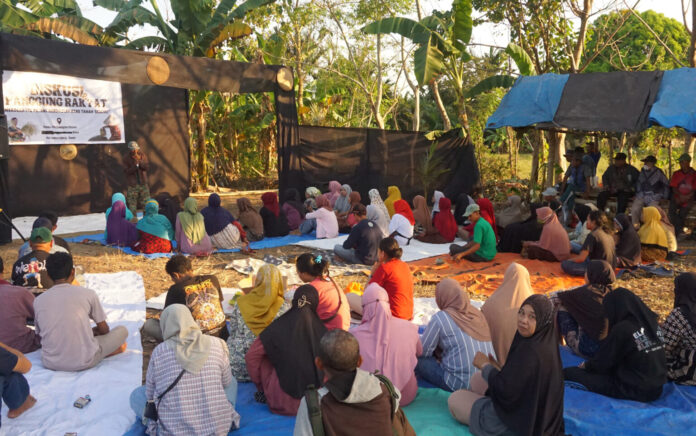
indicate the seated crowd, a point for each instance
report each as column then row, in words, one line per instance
column 501, row 362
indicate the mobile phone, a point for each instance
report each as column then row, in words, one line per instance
column 82, row 402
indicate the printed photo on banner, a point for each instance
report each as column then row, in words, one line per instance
column 54, row 109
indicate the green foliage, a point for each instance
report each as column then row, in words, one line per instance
column 635, row 47
column 490, row 83
column 521, row 58
column 431, row 169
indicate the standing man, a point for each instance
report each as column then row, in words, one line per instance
column 136, row 167
column 619, row 180
column 652, row 187
column 683, row 184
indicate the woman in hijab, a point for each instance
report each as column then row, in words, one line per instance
column 250, row 219
column 488, row 214
column 680, row 331
column 524, row 396
column 553, row 245
column 402, row 223
column 281, row 360
column 393, row 195
column 444, row 224
column 380, row 218
column 580, row 313
column 351, row 220
column 516, row 233
column 325, row 218
column 191, row 237
column 669, row 230
column 275, row 223
column 388, row 344
column 500, row 309
column 453, row 336
column 155, row 232
column 293, row 209
column 437, row 195
column 308, row 225
column 630, row 363
column 512, row 213
column 119, row 230
column 376, row 201
column 225, row 232
column 342, row 204
column 463, row 201
column 421, row 213
column 628, row 245
column 252, row 313
column 114, row 198
column 653, row 238
column 169, row 206
column 200, row 364
column 334, row 192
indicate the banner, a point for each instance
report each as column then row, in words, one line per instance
column 53, row 109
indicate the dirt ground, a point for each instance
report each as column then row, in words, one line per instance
column 656, row 292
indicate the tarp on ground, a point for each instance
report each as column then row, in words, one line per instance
column 373, row 158
column 676, row 101
column 532, row 100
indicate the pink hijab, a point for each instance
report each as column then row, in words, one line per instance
column 334, row 192
column 387, row 343
column 554, row 238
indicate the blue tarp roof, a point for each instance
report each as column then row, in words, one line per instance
column 676, row 101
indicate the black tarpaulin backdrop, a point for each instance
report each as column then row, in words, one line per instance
column 608, row 102
column 372, row 158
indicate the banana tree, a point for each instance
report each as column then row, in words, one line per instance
column 442, row 41
column 199, row 28
column 51, row 19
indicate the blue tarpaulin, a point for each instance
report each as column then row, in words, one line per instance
column 676, row 101
column 532, row 100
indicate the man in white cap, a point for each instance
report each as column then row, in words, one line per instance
column 136, row 167
column 481, row 248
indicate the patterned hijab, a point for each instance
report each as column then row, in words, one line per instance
column 376, row 200
column 192, row 222
column 261, row 305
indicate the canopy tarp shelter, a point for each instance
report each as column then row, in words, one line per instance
column 155, row 115
column 613, row 102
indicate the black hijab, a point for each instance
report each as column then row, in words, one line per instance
column 292, row 197
column 528, row 230
column 291, row 343
column 685, row 296
column 585, row 303
column 623, row 305
column 460, row 208
column 527, row 393
column 628, row 247
column 168, row 206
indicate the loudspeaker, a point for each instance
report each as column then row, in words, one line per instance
column 4, row 139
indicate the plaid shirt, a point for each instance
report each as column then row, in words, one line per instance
column 680, row 348
column 197, row 404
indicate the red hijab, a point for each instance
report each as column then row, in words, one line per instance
column 402, row 208
column 444, row 221
column 488, row 213
column 270, row 202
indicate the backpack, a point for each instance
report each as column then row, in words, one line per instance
column 400, row 426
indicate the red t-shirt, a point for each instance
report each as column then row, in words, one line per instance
column 684, row 184
column 395, row 277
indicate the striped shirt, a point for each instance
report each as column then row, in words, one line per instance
column 197, row 404
column 458, row 349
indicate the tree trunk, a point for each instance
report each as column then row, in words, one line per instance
column 447, row 124
column 689, row 141
column 416, row 110
column 201, row 146
column 692, row 47
column 556, row 144
column 537, row 145
column 512, row 150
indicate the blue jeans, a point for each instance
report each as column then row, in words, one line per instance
column 575, row 248
column 574, row 268
column 430, row 370
column 138, row 398
column 347, row 254
column 568, row 201
column 308, row 226
column 586, row 346
column 14, row 390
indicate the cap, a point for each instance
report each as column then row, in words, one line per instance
column 550, row 192
column 133, row 146
column 471, row 209
column 686, row 157
column 42, row 222
column 650, row 158
column 620, row 156
column 41, row 235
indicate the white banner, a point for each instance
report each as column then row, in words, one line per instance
column 53, row 109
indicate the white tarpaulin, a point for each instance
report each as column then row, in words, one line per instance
column 54, row 109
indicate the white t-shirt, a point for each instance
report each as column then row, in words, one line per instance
column 62, row 317
column 401, row 224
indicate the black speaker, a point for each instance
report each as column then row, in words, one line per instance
column 4, row 138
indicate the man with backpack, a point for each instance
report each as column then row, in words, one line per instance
column 352, row 401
